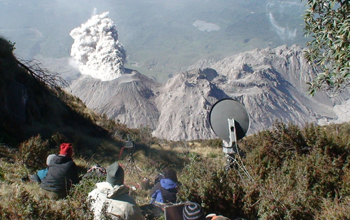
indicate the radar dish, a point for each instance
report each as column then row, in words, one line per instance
column 226, row 109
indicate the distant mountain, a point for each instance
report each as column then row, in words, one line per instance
column 162, row 38
column 184, row 102
column 269, row 82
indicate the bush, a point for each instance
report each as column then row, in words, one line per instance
column 209, row 184
column 33, row 153
column 296, row 172
column 22, row 204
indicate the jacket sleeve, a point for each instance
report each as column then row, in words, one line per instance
column 154, row 189
column 74, row 176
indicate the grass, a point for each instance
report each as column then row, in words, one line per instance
column 26, row 201
column 297, row 173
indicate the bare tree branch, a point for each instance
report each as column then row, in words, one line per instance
column 43, row 75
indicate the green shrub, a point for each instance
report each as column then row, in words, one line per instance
column 207, row 183
column 296, row 172
column 23, row 205
column 33, row 153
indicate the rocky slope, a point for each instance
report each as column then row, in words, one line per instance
column 128, row 99
column 184, row 103
column 271, row 83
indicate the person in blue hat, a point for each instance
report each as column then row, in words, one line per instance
column 165, row 191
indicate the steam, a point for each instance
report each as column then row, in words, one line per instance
column 283, row 9
column 283, row 32
column 96, row 48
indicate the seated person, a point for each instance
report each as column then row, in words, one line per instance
column 165, row 190
column 38, row 176
column 61, row 175
column 113, row 195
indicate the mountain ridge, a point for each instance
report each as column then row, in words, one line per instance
column 271, row 83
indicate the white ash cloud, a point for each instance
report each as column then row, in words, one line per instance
column 97, row 50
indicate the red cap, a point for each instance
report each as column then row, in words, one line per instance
column 66, row 149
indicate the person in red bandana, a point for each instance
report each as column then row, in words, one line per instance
column 62, row 174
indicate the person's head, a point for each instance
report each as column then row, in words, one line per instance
column 66, row 149
column 193, row 211
column 219, row 217
column 216, row 217
column 49, row 159
column 115, row 174
column 170, row 173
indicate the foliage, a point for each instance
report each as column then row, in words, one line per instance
column 328, row 23
column 33, row 152
column 25, row 197
column 296, row 173
column 8, row 47
column 207, row 183
column 24, row 204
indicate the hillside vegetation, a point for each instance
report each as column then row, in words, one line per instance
column 296, row 173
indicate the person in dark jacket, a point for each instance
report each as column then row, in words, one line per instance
column 165, row 190
column 61, row 175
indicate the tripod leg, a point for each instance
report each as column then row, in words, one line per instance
column 134, row 167
column 127, row 164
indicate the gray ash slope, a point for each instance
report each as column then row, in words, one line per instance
column 128, row 99
column 184, row 103
column 271, row 83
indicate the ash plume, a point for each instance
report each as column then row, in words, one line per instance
column 96, row 48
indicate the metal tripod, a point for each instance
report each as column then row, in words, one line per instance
column 231, row 150
column 131, row 165
column 233, row 163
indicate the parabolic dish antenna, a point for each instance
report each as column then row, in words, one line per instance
column 225, row 110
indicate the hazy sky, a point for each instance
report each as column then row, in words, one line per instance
column 156, row 32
